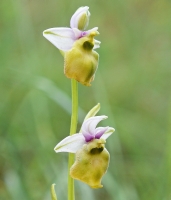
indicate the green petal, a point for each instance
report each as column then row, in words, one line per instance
column 93, row 111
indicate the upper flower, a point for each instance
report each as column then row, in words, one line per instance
column 64, row 38
column 77, row 46
column 88, row 133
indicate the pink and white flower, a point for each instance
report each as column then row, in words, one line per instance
column 63, row 38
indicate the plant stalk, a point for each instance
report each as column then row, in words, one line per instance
column 73, row 128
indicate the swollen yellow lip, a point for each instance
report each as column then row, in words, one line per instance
column 81, row 61
column 91, row 164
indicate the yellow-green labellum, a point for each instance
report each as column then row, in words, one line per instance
column 91, row 163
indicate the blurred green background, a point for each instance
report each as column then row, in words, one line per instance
column 132, row 84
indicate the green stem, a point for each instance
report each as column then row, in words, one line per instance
column 73, row 128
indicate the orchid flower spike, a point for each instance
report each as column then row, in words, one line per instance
column 77, row 46
column 92, row 158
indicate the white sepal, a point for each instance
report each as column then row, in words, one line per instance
column 76, row 16
column 71, row 143
column 107, row 133
column 62, row 38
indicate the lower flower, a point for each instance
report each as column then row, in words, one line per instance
column 92, row 158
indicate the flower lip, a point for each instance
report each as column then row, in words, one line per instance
column 88, row 45
column 96, row 150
